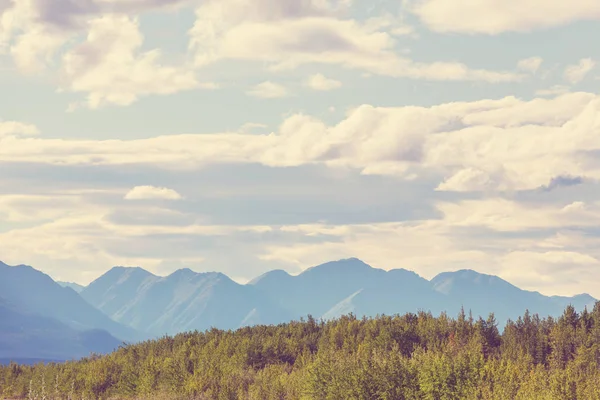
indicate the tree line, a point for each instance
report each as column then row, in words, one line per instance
column 413, row 356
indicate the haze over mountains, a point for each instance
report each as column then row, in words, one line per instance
column 182, row 301
column 131, row 304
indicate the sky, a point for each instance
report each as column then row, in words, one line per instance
column 244, row 136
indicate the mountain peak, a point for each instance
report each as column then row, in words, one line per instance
column 275, row 275
column 183, row 272
column 118, row 272
column 119, row 268
column 346, row 265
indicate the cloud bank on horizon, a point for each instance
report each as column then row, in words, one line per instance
column 240, row 136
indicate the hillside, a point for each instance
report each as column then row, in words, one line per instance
column 35, row 292
column 182, row 301
column 186, row 300
column 132, row 304
column 402, row 357
column 24, row 335
column 75, row 286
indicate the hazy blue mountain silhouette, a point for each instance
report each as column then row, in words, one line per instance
column 186, row 300
column 482, row 294
column 37, row 293
column 182, row 301
column 339, row 287
column 397, row 291
column 75, row 286
column 24, row 335
column 316, row 290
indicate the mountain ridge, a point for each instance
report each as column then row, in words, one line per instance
column 38, row 293
column 152, row 306
column 324, row 291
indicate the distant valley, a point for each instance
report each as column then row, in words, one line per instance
column 44, row 319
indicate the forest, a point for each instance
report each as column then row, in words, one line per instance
column 413, row 356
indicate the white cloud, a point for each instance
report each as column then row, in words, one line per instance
column 27, row 208
column 13, row 128
column 494, row 17
column 31, row 41
column 504, row 215
column 268, row 90
column 541, row 270
column 151, row 192
column 65, row 231
column 111, row 69
column 531, row 64
column 506, row 144
column 575, row 73
column 322, row 83
column 286, row 37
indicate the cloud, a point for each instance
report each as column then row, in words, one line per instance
column 504, row 215
column 31, row 41
column 531, row 64
column 61, row 232
column 268, row 90
column 14, row 128
column 553, row 90
column 110, row 68
column 486, row 145
column 575, row 73
column 322, row 83
column 286, row 37
column 35, row 30
column 151, row 192
column 548, row 269
column 493, row 17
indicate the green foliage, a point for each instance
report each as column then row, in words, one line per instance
column 415, row 356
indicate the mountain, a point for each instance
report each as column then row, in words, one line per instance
column 38, row 294
column 186, row 300
column 182, row 301
column 139, row 301
column 75, row 286
column 396, row 292
column 24, row 335
column 339, row 287
column 483, row 294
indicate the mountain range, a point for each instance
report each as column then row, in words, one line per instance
column 44, row 319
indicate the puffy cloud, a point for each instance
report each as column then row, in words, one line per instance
column 531, row 64
column 322, row 83
column 32, row 41
column 494, row 17
column 268, row 90
column 286, row 36
column 111, row 69
column 36, row 29
column 14, row 128
column 507, row 144
column 151, row 192
column 576, row 73
column 109, row 65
